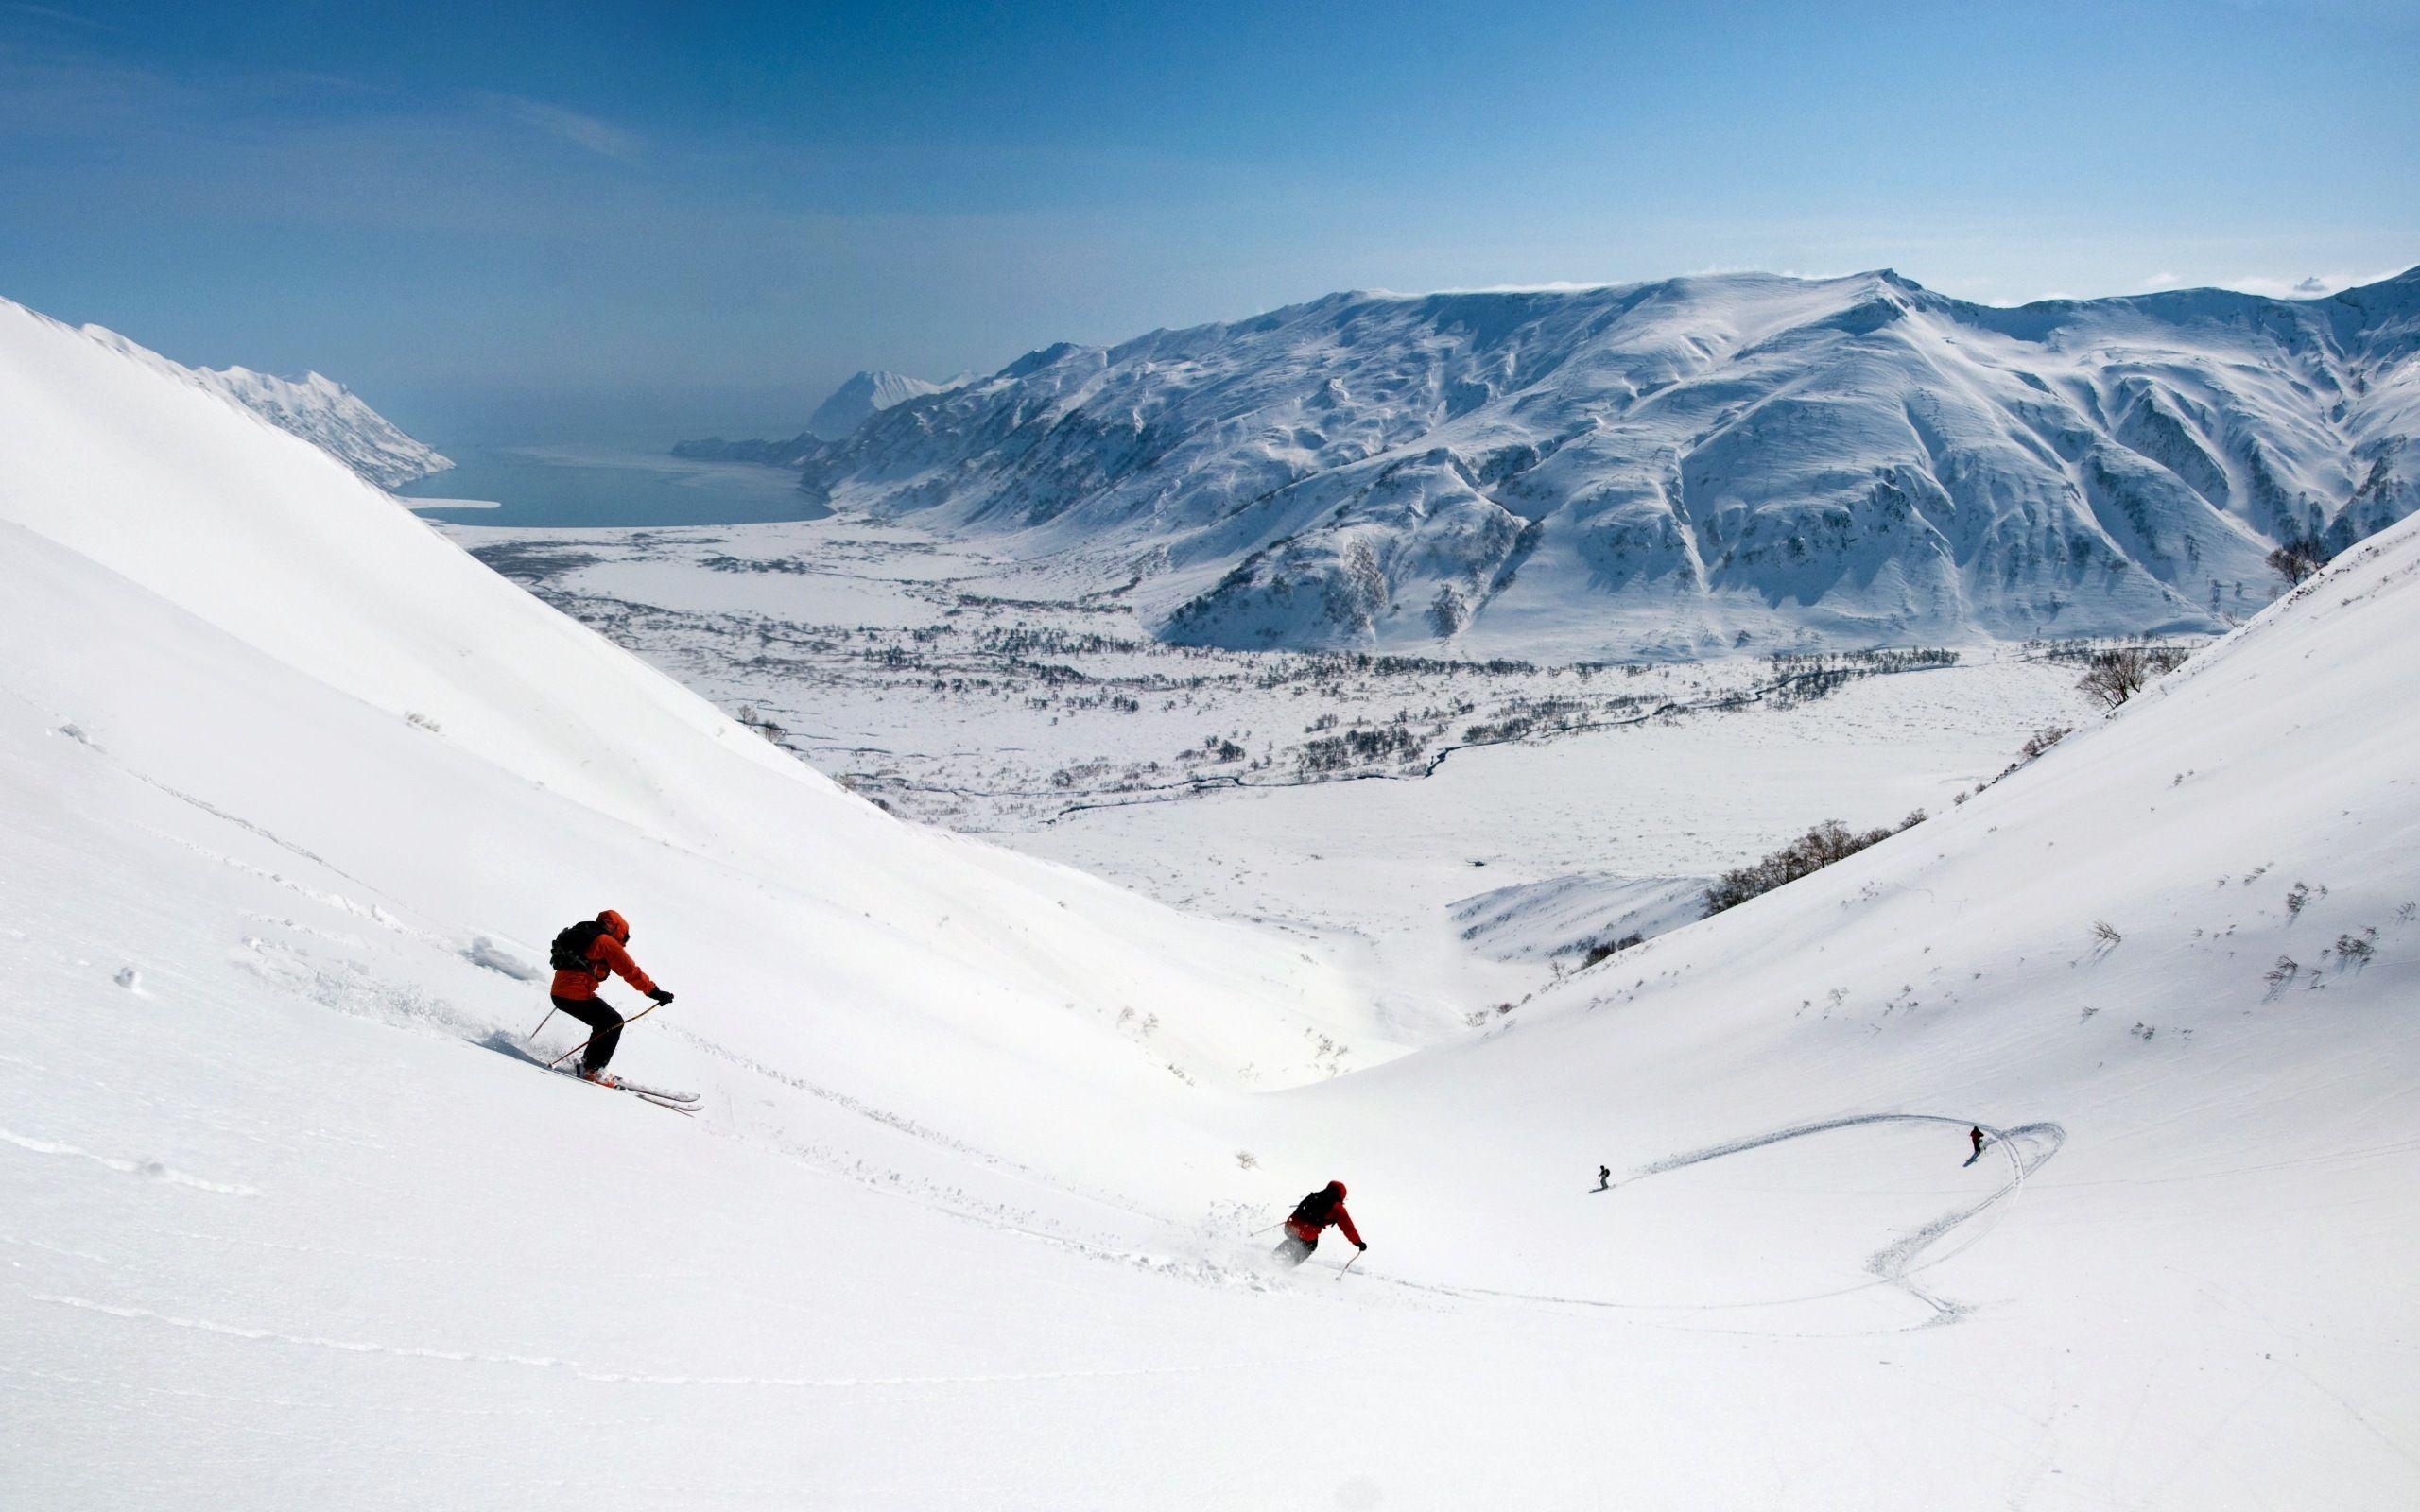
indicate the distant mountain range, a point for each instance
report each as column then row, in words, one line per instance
column 1669, row 469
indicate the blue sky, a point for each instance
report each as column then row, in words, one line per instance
column 551, row 220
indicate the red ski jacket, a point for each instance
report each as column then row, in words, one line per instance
column 606, row 958
column 1309, row 1232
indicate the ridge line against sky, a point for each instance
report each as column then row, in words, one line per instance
column 648, row 220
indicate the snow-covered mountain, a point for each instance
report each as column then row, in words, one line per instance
column 314, row 408
column 1679, row 467
column 861, row 398
column 334, row 418
column 853, row 404
column 294, row 793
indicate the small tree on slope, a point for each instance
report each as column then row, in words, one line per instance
column 2112, row 677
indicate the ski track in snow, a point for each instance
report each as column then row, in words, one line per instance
column 153, row 1169
column 1894, row 1264
column 583, row 1372
column 77, row 734
column 374, row 913
column 948, row 1202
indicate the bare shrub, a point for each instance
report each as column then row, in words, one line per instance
column 1810, row 852
column 2297, row 559
column 2106, row 933
column 2114, row 676
column 2281, row 975
column 2042, row 739
column 1335, row 753
column 1603, row 949
column 2354, row 950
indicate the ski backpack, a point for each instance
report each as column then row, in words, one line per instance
column 569, row 952
column 1316, row 1210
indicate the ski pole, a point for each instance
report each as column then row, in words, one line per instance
column 542, row 1023
column 1347, row 1266
column 583, row 1044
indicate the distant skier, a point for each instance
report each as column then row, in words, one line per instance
column 1312, row 1214
column 1604, row 1176
column 584, row 956
column 1977, row 1135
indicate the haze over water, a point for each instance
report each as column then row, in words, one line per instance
column 594, row 487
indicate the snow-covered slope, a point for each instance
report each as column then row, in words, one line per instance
column 1678, row 466
column 1563, row 918
column 2203, row 1146
column 265, row 546
column 289, row 1223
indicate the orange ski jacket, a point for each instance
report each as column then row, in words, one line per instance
column 606, row 958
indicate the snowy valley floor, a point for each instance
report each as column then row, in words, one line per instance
column 1501, row 818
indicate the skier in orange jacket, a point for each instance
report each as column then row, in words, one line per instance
column 582, row 969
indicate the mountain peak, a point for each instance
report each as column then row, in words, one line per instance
column 865, row 394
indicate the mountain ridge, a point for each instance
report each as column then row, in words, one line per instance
column 313, row 408
column 1675, row 467
column 334, row 418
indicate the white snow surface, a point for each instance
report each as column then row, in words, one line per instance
column 1678, row 468
column 289, row 1222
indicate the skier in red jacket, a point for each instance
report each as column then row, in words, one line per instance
column 1312, row 1214
column 575, row 991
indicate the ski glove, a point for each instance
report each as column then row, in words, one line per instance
column 1358, row 1245
column 661, row 996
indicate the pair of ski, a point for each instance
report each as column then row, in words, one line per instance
column 661, row 1097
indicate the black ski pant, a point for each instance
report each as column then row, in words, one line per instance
column 605, row 1029
column 1294, row 1251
